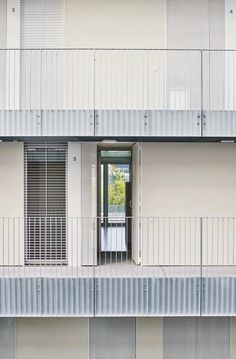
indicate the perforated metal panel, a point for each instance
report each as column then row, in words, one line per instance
column 196, row 338
column 20, row 123
column 150, row 123
column 179, row 338
column 213, row 338
column 46, row 297
column 7, row 338
column 147, row 296
column 218, row 296
column 112, row 338
column 219, row 124
column 68, row 123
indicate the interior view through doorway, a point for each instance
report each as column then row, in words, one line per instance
column 114, row 205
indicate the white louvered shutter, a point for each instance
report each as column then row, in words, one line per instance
column 45, row 203
column 42, row 30
column 42, row 23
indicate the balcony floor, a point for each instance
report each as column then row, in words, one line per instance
column 118, row 270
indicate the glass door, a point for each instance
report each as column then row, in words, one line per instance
column 116, row 204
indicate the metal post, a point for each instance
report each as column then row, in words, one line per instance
column 201, row 277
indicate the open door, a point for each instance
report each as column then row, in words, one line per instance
column 136, row 204
column 115, row 206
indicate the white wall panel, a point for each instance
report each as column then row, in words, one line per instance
column 230, row 24
column 192, row 24
column 198, row 25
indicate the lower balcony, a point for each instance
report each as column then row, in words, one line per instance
column 117, row 266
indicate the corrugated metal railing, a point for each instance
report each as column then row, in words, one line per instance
column 117, row 266
column 117, row 92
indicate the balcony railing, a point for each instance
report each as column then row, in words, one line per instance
column 133, row 92
column 120, row 266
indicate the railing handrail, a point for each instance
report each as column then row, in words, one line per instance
column 115, row 49
column 119, row 216
column 98, row 79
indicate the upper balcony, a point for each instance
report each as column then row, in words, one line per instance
column 133, row 93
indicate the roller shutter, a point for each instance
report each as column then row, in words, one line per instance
column 45, row 203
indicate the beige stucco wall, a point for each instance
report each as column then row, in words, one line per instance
column 149, row 338
column 188, row 179
column 150, row 23
column 112, row 23
column 3, row 44
column 233, row 338
column 48, row 338
column 11, row 179
column 3, row 23
column 11, row 203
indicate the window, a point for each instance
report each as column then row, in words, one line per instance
column 45, row 203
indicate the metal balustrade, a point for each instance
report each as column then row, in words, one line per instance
column 117, row 92
column 118, row 266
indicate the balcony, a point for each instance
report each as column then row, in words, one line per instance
column 117, row 266
column 97, row 93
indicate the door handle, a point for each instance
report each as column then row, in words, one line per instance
column 131, row 204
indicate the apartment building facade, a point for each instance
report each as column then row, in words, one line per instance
column 117, row 179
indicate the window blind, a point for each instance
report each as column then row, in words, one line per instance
column 45, row 203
